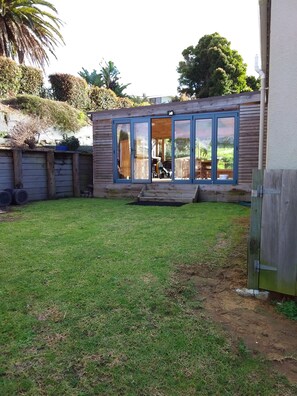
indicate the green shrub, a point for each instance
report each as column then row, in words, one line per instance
column 288, row 308
column 70, row 89
column 10, row 74
column 31, row 80
column 71, row 142
column 125, row 102
column 103, row 99
column 59, row 115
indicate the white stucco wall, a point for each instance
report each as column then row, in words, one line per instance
column 282, row 106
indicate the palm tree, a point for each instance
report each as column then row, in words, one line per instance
column 28, row 30
column 107, row 77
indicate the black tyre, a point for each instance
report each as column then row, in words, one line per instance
column 10, row 191
column 5, row 198
column 20, row 197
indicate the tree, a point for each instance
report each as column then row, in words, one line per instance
column 212, row 68
column 253, row 82
column 28, row 31
column 107, row 77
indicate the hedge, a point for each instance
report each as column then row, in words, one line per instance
column 31, row 80
column 70, row 89
column 125, row 102
column 103, row 99
column 10, row 74
column 60, row 115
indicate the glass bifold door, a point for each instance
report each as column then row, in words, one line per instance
column 203, row 149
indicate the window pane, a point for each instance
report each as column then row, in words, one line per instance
column 182, row 149
column 225, row 148
column 123, row 151
column 203, row 143
column 141, row 151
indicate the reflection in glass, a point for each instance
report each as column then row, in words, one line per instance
column 203, row 145
column 225, row 148
column 123, row 151
column 182, row 149
column 141, row 151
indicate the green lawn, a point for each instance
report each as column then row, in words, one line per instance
column 86, row 307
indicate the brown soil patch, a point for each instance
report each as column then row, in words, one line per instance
column 247, row 319
column 256, row 323
column 7, row 216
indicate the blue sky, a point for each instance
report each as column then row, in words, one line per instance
column 145, row 39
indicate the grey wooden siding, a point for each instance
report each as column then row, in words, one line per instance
column 248, row 141
column 34, row 175
column 272, row 247
column 6, row 170
column 43, row 179
column 63, row 175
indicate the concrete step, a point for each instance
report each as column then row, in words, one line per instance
column 168, row 193
column 171, row 186
column 161, row 193
column 165, row 199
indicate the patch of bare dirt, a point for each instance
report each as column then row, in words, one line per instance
column 7, row 216
column 247, row 319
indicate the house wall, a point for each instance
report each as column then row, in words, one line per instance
column 282, row 103
column 249, row 112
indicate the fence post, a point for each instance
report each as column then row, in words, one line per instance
column 50, row 170
column 254, row 243
column 18, row 168
column 75, row 174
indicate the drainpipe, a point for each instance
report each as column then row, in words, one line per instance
column 262, row 113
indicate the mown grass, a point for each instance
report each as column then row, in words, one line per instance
column 86, row 307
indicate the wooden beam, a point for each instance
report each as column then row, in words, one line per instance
column 75, row 174
column 255, row 230
column 50, row 169
column 18, row 168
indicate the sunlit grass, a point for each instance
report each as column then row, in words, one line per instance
column 86, row 307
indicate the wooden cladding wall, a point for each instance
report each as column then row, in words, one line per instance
column 103, row 156
column 248, row 141
column 46, row 174
column 247, row 104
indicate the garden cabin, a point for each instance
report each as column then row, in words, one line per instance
column 206, row 147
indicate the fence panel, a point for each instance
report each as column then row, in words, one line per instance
column 63, row 175
column 85, row 170
column 46, row 174
column 35, row 175
column 6, row 170
column 277, row 266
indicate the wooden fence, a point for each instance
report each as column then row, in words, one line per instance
column 46, row 174
column 273, row 233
